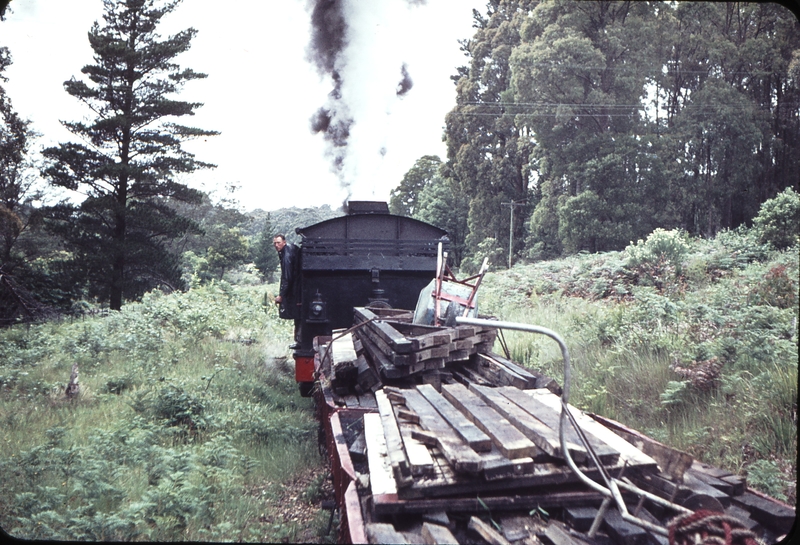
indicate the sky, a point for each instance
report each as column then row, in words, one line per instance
column 262, row 90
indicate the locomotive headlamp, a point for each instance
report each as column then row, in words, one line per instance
column 317, row 309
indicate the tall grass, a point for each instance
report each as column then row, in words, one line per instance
column 188, row 419
column 638, row 332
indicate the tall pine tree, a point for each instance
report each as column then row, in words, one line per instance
column 128, row 154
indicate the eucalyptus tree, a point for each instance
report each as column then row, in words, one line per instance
column 580, row 76
column 487, row 148
column 733, row 106
column 403, row 200
column 442, row 203
column 129, row 153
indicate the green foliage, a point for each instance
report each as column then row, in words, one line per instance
column 286, row 220
column 130, row 155
column 172, row 405
column 587, row 223
column 488, row 248
column 705, row 361
column 569, row 107
column 443, row 204
column 660, row 247
column 488, row 146
column 404, row 199
column 16, row 179
column 264, row 255
column 766, row 476
column 230, row 249
column 778, row 220
column 183, row 412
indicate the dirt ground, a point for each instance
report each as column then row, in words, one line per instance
column 294, row 512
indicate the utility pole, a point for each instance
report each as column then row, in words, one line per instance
column 512, row 205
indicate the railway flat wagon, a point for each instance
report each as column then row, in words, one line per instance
column 433, row 437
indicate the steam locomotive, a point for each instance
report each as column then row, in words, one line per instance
column 367, row 257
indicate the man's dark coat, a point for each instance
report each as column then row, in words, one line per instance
column 288, row 290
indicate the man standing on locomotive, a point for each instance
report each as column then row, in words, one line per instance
column 288, row 305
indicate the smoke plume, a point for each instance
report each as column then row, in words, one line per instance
column 357, row 45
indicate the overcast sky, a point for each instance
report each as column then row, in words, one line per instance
column 261, row 91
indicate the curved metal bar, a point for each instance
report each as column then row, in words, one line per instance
column 564, row 394
column 612, row 492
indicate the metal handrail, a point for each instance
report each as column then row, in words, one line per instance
column 611, row 490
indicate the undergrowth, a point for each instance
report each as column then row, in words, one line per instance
column 187, row 406
column 694, row 342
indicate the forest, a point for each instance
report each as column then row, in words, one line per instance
column 577, row 127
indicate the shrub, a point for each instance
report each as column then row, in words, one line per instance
column 778, row 220
column 173, row 405
column 660, row 247
column 776, row 289
column 766, row 476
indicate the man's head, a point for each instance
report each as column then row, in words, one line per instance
column 279, row 241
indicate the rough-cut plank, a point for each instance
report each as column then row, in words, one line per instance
column 699, row 486
column 382, row 363
column 486, row 532
column 719, row 484
column 673, row 462
column 717, row 472
column 464, row 331
column 471, row 504
column 497, row 466
column 381, row 532
column 343, row 350
column 469, row 432
column 404, row 414
column 724, row 480
column 389, row 334
column 433, row 534
column 509, row 440
column 358, row 449
column 580, row 518
column 518, row 369
column 368, row 378
column 456, row 451
column 542, row 435
column 551, row 418
column 516, row 527
column 558, row 535
column 385, row 348
column 367, row 401
column 623, row 532
column 419, row 458
column 381, row 480
column 422, row 336
column 355, row 520
column 394, row 315
column 394, row 442
column 742, row 516
column 628, row 452
column 769, row 513
column 738, row 483
column 467, row 376
column 501, row 375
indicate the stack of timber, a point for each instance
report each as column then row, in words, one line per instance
column 476, row 464
column 345, row 377
column 385, row 348
column 401, row 349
